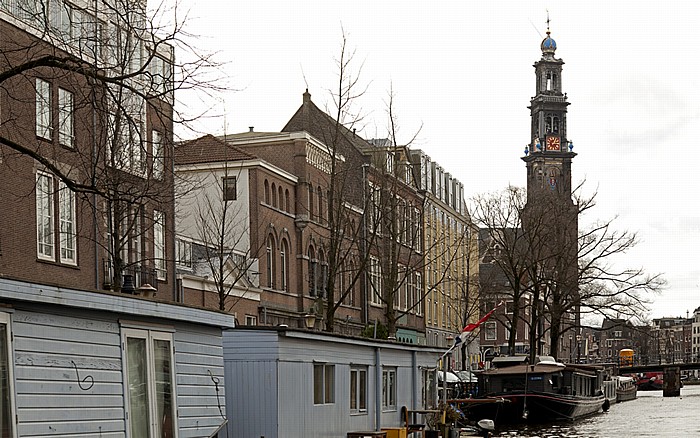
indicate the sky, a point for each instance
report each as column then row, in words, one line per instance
column 462, row 76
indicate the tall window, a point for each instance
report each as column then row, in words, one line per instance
column 157, row 151
column 323, row 274
column 313, row 272
column 388, row 389
column 150, row 369
column 375, row 280
column 284, row 271
column 65, row 118
column 358, row 389
column 43, row 109
column 159, row 243
column 229, row 188
column 312, row 213
column 324, row 383
column 270, row 259
column 44, row 216
column 490, row 334
column 183, row 253
column 267, row 192
column 273, row 193
column 66, row 202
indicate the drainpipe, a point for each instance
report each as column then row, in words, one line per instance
column 378, row 390
column 414, row 379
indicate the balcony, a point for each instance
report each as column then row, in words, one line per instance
column 132, row 275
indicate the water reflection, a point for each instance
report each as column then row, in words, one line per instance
column 651, row 415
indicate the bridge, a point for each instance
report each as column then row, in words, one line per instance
column 672, row 374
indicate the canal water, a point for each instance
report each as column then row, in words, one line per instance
column 650, row 415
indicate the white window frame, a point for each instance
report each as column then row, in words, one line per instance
column 358, row 393
column 45, row 216
column 7, row 365
column 159, row 244
column 149, row 336
column 44, row 126
column 375, row 280
column 389, row 383
column 66, row 136
column 490, row 331
column 67, row 226
column 157, row 153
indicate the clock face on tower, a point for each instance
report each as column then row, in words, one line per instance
column 553, row 143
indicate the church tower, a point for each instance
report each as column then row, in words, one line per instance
column 550, row 217
column 548, row 157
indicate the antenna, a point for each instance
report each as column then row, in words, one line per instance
column 304, row 76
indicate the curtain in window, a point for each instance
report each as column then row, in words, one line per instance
column 138, row 387
column 164, row 402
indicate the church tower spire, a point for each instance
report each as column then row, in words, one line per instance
column 548, row 157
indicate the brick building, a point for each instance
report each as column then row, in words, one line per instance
column 85, row 153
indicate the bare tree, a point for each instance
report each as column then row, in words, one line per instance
column 563, row 271
column 93, row 95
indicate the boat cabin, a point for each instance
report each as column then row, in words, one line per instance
column 544, row 376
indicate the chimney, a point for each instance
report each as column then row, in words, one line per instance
column 307, row 96
column 250, row 128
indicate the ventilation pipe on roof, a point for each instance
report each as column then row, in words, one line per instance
column 250, row 128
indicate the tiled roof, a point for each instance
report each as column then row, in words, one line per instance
column 318, row 123
column 208, row 149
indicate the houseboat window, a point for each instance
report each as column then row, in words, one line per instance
column 149, row 364
column 358, row 389
column 324, row 383
column 6, row 379
column 389, row 389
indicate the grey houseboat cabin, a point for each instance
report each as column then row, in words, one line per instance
column 283, row 382
column 78, row 363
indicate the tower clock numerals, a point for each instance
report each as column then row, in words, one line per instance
column 553, row 143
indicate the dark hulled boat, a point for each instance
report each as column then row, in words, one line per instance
column 544, row 392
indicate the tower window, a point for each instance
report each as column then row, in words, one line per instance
column 555, row 125
column 549, row 80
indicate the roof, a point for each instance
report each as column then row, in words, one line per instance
column 524, row 368
column 209, row 149
column 318, row 123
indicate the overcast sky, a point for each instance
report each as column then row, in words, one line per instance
column 463, row 69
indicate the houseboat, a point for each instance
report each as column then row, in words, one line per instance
column 542, row 392
column 626, row 388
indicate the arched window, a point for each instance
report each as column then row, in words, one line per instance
column 274, row 195
column 320, row 204
column 280, row 196
column 311, row 203
column 555, row 125
column 287, row 205
column 313, row 265
column 284, row 271
column 267, row 193
column 270, row 259
column 323, row 275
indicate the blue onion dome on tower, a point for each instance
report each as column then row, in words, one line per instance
column 548, row 44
